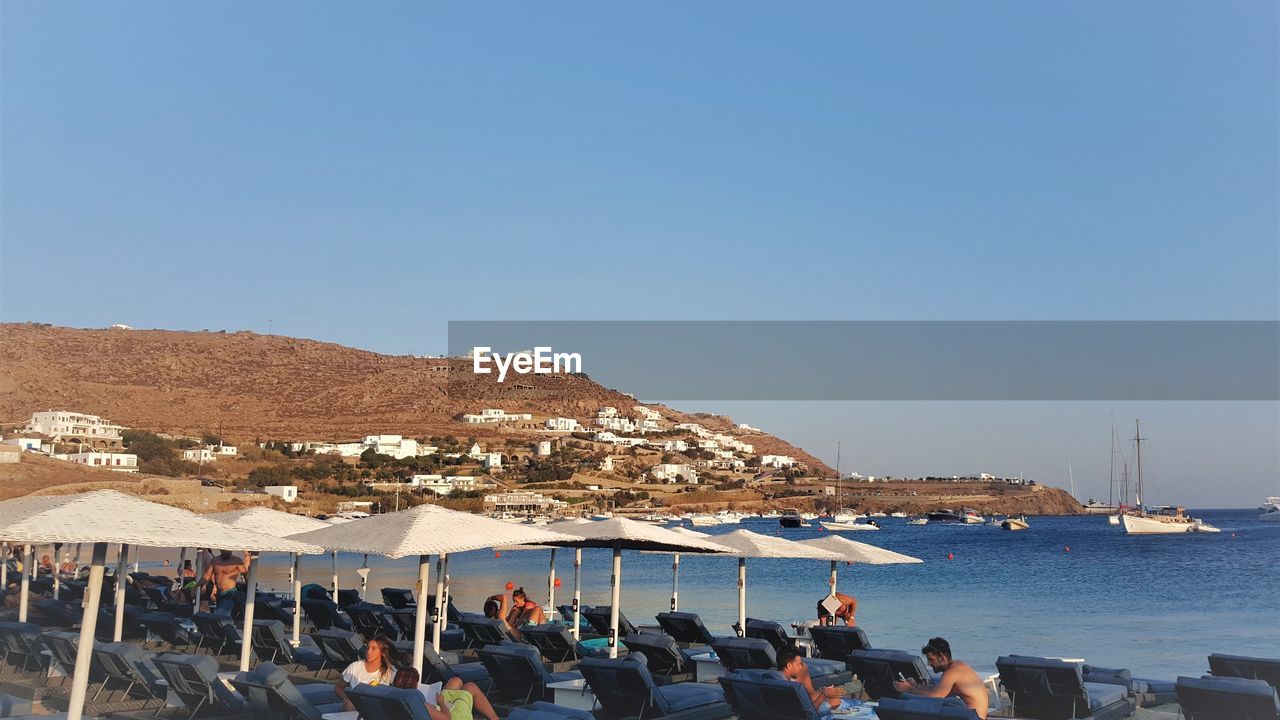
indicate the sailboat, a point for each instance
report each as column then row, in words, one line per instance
column 1110, row 508
column 846, row 519
column 1167, row 520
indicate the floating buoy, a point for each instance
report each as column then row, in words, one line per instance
column 951, row 556
column 557, row 582
column 1233, row 534
column 510, row 585
column 1066, row 548
column 848, row 562
column 497, row 554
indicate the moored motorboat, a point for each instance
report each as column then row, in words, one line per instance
column 918, row 521
column 1012, row 523
column 1271, row 511
column 898, row 514
column 944, row 515
column 971, row 517
column 790, row 518
column 848, row 526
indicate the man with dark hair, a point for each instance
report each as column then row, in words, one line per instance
column 958, row 679
column 793, row 668
column 846, row 612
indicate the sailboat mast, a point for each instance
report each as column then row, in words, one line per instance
column 839, row 497
column 1111, row 487
column 1072, row 475
column 1137, row 442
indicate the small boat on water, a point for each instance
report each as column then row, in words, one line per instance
column 878, row 515
column 704, row 520
column 847, row 515
column 918, row 521
column 898, row 514
column 790, row 518
column 848, row 526
column 971, row 517
column 996, row 521
column 1012, row 523
column 1270, row 511
column 944, row 515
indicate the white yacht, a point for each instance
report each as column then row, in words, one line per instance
column 1270, row 511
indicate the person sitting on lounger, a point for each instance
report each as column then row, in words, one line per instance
column 498, row 607
column 381, row 660
column 524, row 611
column 848, row 606
column 46, row 565
column 793, row 668
column 456, row 700
column 958, row 679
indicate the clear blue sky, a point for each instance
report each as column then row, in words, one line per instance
column 363, row 174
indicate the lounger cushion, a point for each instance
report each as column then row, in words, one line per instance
column 1243, row 666
column 542, row 710
column 1226, row 698
column 767, row 695
column 11, row 705
column 823, row 667
column 1101, row 694
column 685, row 627
column 683, row 696
column 920, row 708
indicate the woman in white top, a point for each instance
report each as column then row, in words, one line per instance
column 377, row 668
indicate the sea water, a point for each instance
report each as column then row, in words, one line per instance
column 1072, row 587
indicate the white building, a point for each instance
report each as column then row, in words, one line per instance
column 562, row 424
column 674, row 472
column 287, row 493
column 520, row 501
column 606, row 465
column 65, row 426
column 647, row 413
column 694, row 428
column 22, row 443
column 224, row 449
column 777, row 461
column 199, row 455
column 491, row 461
column 607, row 412
column 396, row 446
column 616, row 424
column 118, row 462
column 747, row 428
column 10, row 453
column 675, row 446
column 495, row 415
column 544, row 448
column 475, row 452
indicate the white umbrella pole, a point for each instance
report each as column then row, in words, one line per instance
column 616, row 582
column 438, row 611
column 364, row 578
column 444, row 603
column 577, row 593
column 297, row 600
column 57, row 568
column 833, row 578
column 742, row 597
column 122, row 565
column 675, row 582
column 88, row 625
column 137, row 558
column 4, row 565
column 250, row 598
column 420, row 617
column 551, row 585
column 25, row 589
column 335, row 576
column 195, row 604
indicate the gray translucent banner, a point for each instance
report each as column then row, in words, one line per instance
column 919, row 360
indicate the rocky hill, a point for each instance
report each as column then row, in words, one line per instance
column 247, row 386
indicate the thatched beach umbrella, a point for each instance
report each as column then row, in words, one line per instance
column 424, row 531
column 622, row 534
column 859, row 552
column 107, row 516
column 279, row 524
column 745, row 544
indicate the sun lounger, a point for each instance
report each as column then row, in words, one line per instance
column 685, row 627
column 62, row 648
column 398, row 598
column 128, row 665
column 404, row 619
column 130, row 629
column 454, row 614
column 878, row 669
column 53, row 614
column 218, row 632
column 481, row 631
column 556, row 643
column 598, row 617
column 625, row 689
column 547, row 711
column 194, row 680
column 1146, row 692
column 771, row 631
column 1046, row 689
column 835, row 642
column 270, row 693
column 347, row 598
column 737, row 653
column 340, row 647
column 667, row 662
column 518, row 675
column 385, row 702
column 1227, row 698
column 437, row 670
column 12, row 705
column 164, row 627
column 20, row 645
column 1240, row 666
column 369, row 620
column 923, row 708
column 272, row 643
column 767, row 695
column 162, row 598
column 324, row 614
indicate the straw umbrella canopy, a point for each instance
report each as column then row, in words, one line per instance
column 280, row 524
column 424, row 531
column 853, row 551
column 745, row 544
column 623, row 534
column 107, row 516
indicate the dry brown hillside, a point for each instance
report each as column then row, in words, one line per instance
column 251, row 386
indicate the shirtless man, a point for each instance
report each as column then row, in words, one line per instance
column 792, row 666
column 848, row 607
column 958, row 679
column 225, row 570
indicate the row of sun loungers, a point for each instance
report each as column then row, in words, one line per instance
column 652, row 680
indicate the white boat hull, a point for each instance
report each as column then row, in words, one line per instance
column 1015, row 524
column 842, row 526
column 1113, row 519
column 1139, row 525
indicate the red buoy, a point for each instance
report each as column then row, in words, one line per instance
column 510, row 585
column 951, row 556
column 557, row 582
column 1066, row 548
column 497, row 554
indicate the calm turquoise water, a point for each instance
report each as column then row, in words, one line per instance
column 1157, row 605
